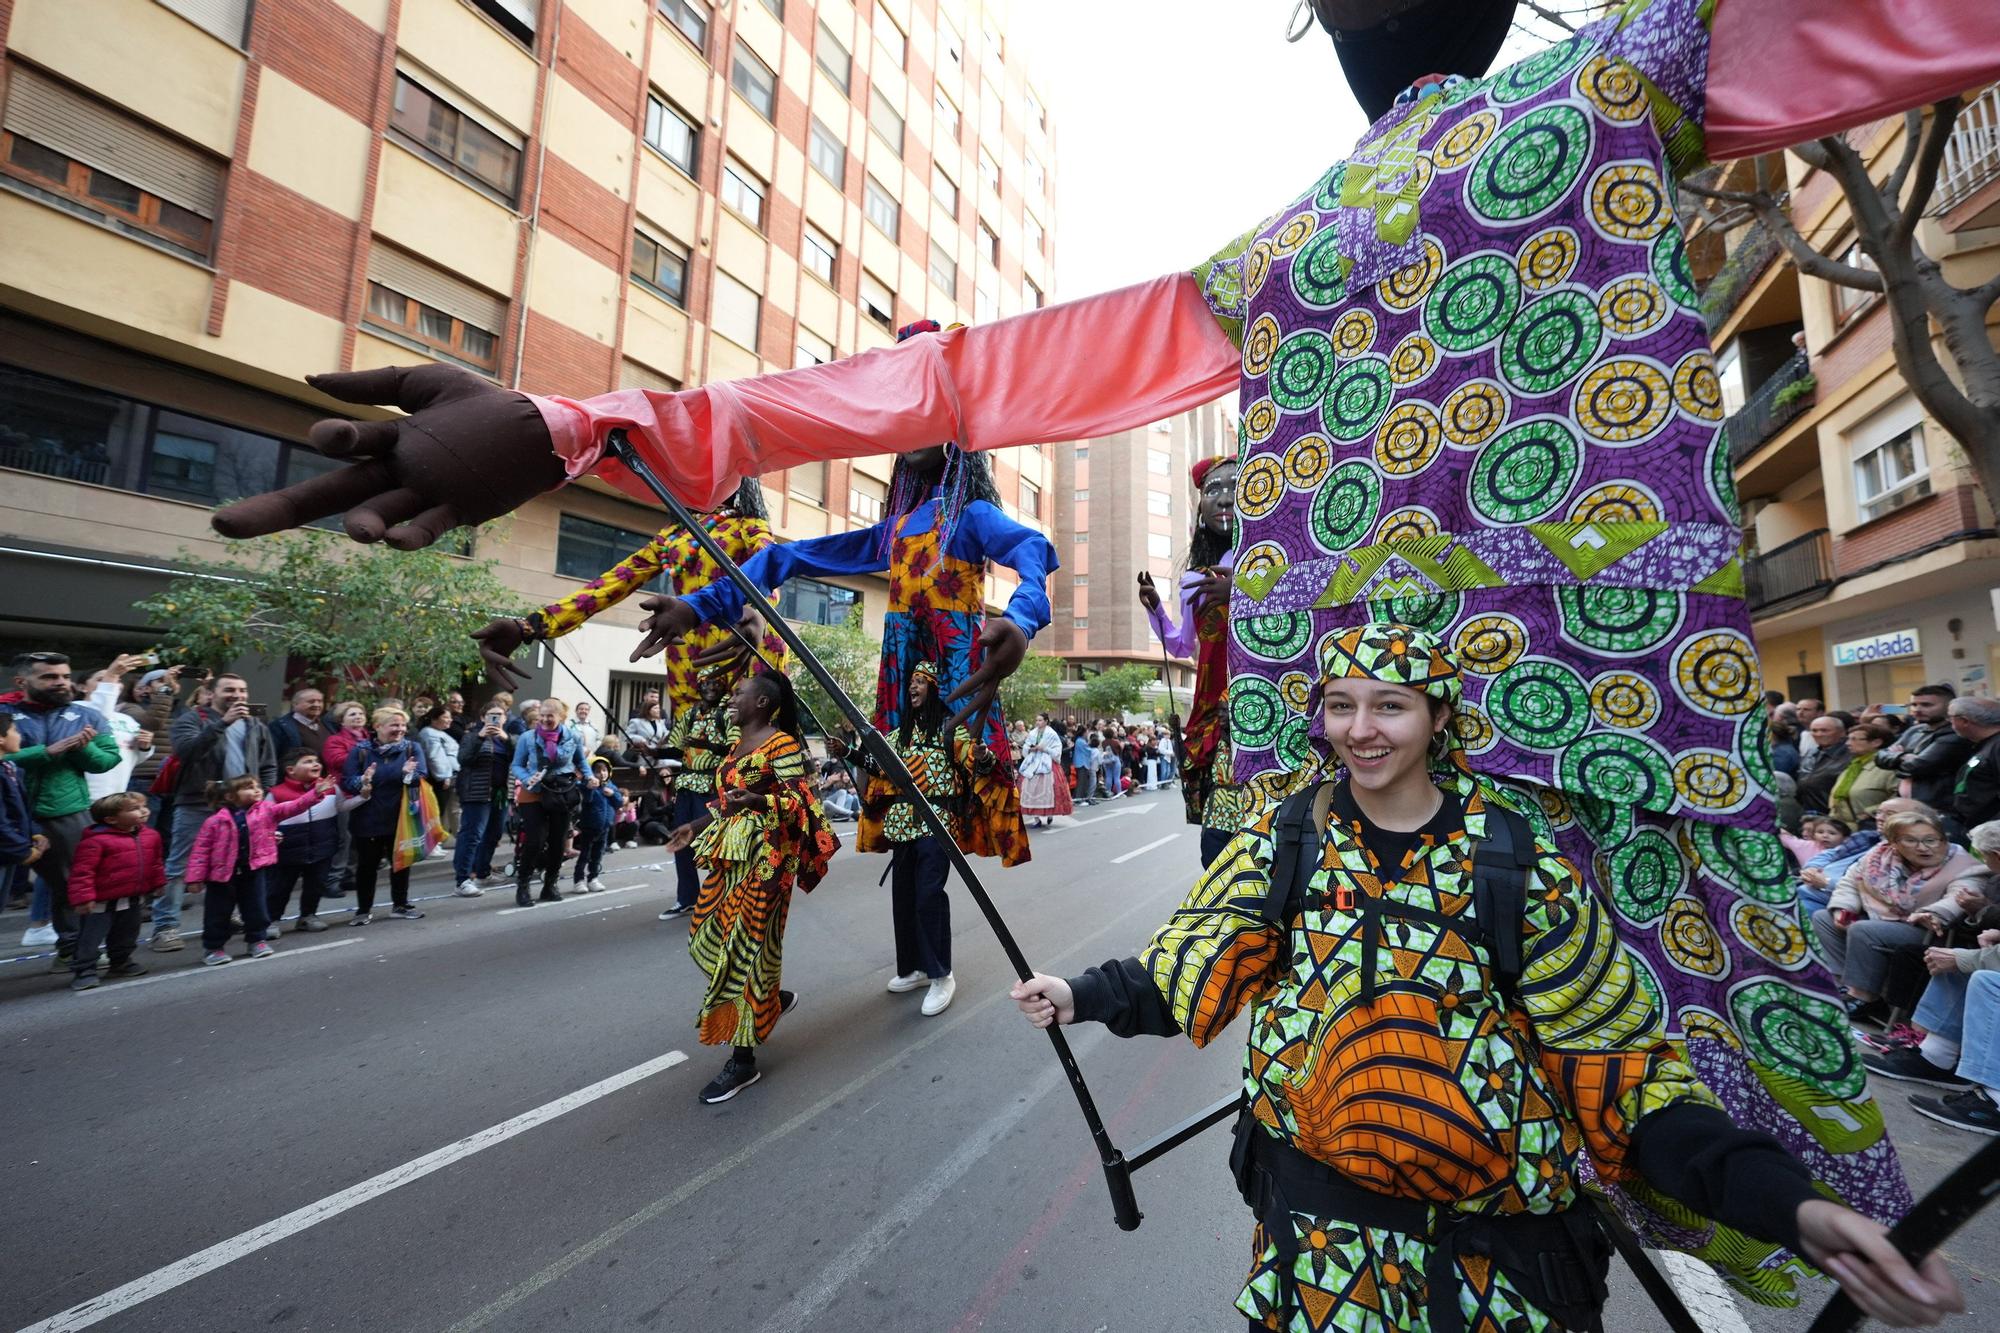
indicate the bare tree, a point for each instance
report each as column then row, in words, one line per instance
column 1918, row 296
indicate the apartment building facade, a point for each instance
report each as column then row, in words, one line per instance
column 205, row 200
column 1872, row 556
column 1129, row 507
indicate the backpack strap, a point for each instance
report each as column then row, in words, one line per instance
column 1296, row 854
column 1501, row 864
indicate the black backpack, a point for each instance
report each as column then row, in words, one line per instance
column 1501, row 864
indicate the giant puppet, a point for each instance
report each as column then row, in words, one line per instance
column 1478, row 396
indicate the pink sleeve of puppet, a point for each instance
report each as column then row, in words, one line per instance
column 1784, row 71
column 1068, row 372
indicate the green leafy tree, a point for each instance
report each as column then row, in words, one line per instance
column 1031, row 687
column 850, row 657
column 1115, row 692
column 394, row 622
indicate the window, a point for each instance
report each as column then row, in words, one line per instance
column 952, row 44
column 947, row 116
column 944, row 190
column 115, row 200
column 820, row 254
column 985, row 305
column 1032, row 236
column 884, row 120
column 460, row 341
column 1031, row 498
column 990, row 97
column 671, row 134
column 1036, row 114
column 1081, row 622
column 661, row 267
column 586, row 548
column 1891, row 474
column 1158, row 463
column 634, row 375
column 1080, row 496
column 439, row 311
column 944, row 270
column 734, row 311
column 883, row 210
column 743, row 192
column 691, row 17
column 890, row 38
column 989, row 242
column 1083, row 453
column 816, row 603
column 807, row 481
column 1159, row 546
column 516, row 16
column 1847, row 301
column 828, row 153
column 864, row 499
column 1032, row 298
column 1038, row 177
column 1159, row 502
column 810, row 349
column 777, row 8
column 1082, row 538
column 832, row 57
column 753, row 78
column 463, row 146
column 1081, row 581
column 877, row 301
column 989, row 171
column 989, row 33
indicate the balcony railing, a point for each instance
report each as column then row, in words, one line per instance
column 1800, row 571
column 1972, row 154
column 1778, row 400
column 1738, row 274
column 52, row 460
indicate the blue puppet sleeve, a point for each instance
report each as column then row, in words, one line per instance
column 857, row 552
column 984, row 533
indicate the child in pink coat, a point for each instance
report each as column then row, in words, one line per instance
column 231, row 852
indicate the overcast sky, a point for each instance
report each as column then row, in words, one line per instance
column 1179, row 125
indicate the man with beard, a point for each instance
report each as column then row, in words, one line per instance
column 62, row 741
column 1930, row 753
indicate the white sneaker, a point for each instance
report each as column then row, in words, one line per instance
column 38, row 935
column 595, row 884
column 468, row 888
column 938, row 998
column 909, row 981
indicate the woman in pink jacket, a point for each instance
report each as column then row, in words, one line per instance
column 230, row 854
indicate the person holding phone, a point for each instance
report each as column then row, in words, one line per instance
column 483, row 759
column 214, row 741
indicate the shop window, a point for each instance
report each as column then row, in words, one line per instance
column 586, row 548
column 816, row 603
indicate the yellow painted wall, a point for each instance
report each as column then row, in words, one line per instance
column 584, row 135
column 727, row 361
column 268, row 331
column 668, row 199
column 574, row 289
column 678, row 70
column 740, row 249
column 432, row 214
column 1778, row 656
column 371, row 353
column 375, row 13
column 124, row 48
column 472, row 55
column 656, row 332
column 63, row 259
column 761, row 32
column 752, row 141
column 309, row 145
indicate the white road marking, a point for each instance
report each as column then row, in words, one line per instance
column 1070, row 821
column 1141, row 851
column 509, row 911
column 120, row 987
column 1707, row 1295
column 257, row 1238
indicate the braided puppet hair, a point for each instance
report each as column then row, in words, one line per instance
column 748, row 502
column 967, row 477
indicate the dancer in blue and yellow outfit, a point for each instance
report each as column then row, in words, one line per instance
column 1415, row 1117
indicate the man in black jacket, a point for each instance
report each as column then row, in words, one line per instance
column 1817, row 777
column 215, row 742
column 483, row 756
column 1975, row 796
column 1930, row 752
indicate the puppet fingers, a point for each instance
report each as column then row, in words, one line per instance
column 296, row 505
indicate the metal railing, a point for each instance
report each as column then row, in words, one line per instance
column 1799, row 571
column 53, row 461
column 1738, row 274
column 1778, row 400
column 1972, row 154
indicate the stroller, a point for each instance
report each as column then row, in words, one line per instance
column 513, row 830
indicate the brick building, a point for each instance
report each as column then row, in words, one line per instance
column 1872, row 556
column 205, row 200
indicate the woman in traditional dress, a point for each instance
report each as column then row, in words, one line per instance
column 763, row 836
column 1044, row 789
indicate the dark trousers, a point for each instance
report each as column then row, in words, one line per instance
column 480, row 824
column 591, row 844
column 544, row 835
column 920, row 908
column 1213, row 840
column 63, row 833
column 688, row 805
column 119, row 929
column 369, row 855
column 243, row 895
column 280, row 878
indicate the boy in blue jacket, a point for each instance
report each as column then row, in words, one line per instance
column 602, row 800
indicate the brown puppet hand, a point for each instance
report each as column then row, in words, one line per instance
column 668, row 620
column 498, row 642
column 469, row 451
column 1002, row 645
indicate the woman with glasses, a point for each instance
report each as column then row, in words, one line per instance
column 1896, row 899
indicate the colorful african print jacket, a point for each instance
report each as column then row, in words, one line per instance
column 703, row 735
column 942, row 774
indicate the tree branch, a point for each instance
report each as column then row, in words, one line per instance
column 1720, row 196
column 1937, row 137
column 1548, row 15
column 1913, row 137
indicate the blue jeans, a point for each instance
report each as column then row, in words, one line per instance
column 1942, row 1010
column 1979, row 1050
column 1114, row 778
column 479, row 826
column 591, row 844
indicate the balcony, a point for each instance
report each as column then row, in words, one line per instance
column 1738, row 275
column 1791, row 575
column 1778, row 401
column 1971, row 161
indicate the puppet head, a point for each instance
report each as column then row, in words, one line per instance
column 1387, row 45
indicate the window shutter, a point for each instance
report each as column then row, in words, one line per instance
column 405, row 273
column 227, row 19
column 637, row 376
column 56, row 116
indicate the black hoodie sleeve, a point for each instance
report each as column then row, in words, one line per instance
column 1121, row 995
column 1740, row 1177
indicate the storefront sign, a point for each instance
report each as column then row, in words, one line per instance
column 1877, row 648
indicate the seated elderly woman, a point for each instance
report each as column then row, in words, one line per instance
column 1896, row 899
column 1818, row 874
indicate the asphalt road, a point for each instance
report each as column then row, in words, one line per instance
column 487, row 1120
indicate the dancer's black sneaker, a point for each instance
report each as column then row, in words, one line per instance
column 788, row 1000
column 735, row 1076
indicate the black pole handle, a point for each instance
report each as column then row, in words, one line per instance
column 891, row 765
